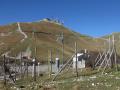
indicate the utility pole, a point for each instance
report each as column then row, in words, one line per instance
column 34, row 60
column 60, row 39
column 76, row 59
column 62, row 48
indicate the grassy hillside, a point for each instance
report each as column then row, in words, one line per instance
column 117, row 40
column 44, row 39
column 9, row 37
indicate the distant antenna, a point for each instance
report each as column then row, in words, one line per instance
column 62, row 22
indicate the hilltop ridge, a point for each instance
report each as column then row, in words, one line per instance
column 46, row 35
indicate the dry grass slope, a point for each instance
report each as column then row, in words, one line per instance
column 46, row 36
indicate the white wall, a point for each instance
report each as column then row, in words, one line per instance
column 80, row 64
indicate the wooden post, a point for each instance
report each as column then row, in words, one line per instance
column 109, row 42
column 34, row 69
column 57, row 60
column 115, row 56
column 34, row 61
column 50, row 62
column 4, row 62
column 21, row 66
column 76, row 59
column 62, row 48
column 63, row 67
column 15, row 67
column 38, row 69
column 27, row 68
column 116, row 66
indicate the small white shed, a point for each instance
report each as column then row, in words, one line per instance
column 80, row 61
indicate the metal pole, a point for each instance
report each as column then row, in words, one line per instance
column 76, row 59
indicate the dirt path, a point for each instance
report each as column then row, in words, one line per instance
column 23, row 33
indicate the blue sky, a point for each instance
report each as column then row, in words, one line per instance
column 92, row 17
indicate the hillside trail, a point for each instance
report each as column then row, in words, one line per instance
column 23, row 33
column 25, row 37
